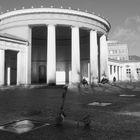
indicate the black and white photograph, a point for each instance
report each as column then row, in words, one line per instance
column 69, row 69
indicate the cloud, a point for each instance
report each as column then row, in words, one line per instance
column 125, row 34
column 129, row 33
column 134, row 19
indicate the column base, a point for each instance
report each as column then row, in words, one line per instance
column 51, row 84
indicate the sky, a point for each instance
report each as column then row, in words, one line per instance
column 123, row 15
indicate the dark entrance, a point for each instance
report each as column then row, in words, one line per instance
column 42, row 74
column 10, row 67
column 39, row 54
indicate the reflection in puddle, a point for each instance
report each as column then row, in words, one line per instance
column 137, row 114
column 22, row 126
column 99, row 104
column 126, row 95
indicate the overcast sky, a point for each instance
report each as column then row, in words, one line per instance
column 124, row 15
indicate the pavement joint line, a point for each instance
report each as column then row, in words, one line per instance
column 22, row 126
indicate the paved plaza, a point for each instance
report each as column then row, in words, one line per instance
column 114, row 111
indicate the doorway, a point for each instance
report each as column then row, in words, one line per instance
column 42, row 74
column 10, row 67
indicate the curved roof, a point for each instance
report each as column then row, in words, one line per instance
column 56, row 10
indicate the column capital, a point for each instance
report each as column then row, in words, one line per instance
column 91, row 30
column 51, row 25
column 104, row 35
column 93, row 33
column 74, row 27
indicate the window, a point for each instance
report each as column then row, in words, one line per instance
column 128, row 72
column 138, row 71
column 118, row 58
column 111, row 52
column 110, row 69
column 122, row 58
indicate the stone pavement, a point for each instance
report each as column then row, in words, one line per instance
column 42, row 104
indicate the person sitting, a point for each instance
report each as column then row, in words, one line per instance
column 84, row 82
column 104, row 80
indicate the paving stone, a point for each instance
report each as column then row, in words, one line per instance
column 22, row 126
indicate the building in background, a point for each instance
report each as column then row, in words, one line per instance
column 117, row 50
column 122, row 66
column 134, row 57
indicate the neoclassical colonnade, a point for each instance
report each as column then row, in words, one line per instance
column 115, row 71
column 21, row 25
column 98, row 58
column 97, row 53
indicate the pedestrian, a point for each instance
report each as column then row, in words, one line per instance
column 114, row 79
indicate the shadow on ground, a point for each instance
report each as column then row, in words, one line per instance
column 113, row 122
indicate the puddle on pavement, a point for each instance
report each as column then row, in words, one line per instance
column 99, row 104
column 127, row 95
column 22, row 126
column 136, row 114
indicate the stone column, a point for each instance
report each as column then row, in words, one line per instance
column 118, row 69
column 8, row 76
column 103, row 57
column 120, row 73
column 2, row 67
column 93, row 57
column 51, row 55
column 19, row 67
column 28, row 57
column 110, row 73
column 123, row 74
column 75, row 77
column 111, row 70
column 114, row 71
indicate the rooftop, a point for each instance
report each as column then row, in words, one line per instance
column 56, row 10
column 5, row 36
column 124, row 61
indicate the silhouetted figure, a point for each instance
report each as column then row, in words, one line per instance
column 104, row 80
column 84, row 82
column 114, row 79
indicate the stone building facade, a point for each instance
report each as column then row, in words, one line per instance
column 119, row 64
column 117, row 50
column 127, row 71
column 52, row 46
